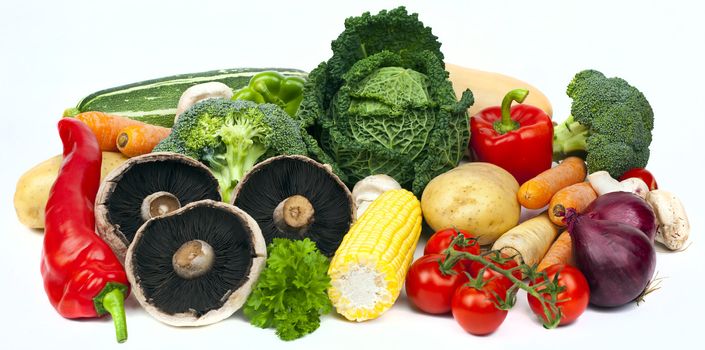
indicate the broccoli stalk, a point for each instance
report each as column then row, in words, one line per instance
column 569, row 137
column 243, row 140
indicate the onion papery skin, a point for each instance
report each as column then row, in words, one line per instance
column 627, row 208
column 617, row 259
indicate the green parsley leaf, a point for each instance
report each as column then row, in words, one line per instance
column 291, row 293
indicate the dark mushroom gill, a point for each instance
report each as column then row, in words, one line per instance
column 270, row 183
column 232, row 244
column 187, row 183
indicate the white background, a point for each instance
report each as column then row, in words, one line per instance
column 53, row 54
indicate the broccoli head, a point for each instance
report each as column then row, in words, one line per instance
column 610, row 124
column 230, row 137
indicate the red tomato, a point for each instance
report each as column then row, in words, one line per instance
column 577, row 293
column 475, row 309
column 440, row 241
column 430, row 290
column 643, row 174
column 505, row 282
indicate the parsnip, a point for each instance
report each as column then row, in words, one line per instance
column 529, row 241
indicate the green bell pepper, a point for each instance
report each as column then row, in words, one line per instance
column 273, row 87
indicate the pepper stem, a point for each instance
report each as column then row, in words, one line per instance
column 507, row 124
column 114, row 303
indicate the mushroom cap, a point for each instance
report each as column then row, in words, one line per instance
column 240, row 255
column 119, row 201
column 276, row 179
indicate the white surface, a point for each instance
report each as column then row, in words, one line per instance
column 52, row 55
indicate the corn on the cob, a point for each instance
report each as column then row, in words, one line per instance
column 369, row 268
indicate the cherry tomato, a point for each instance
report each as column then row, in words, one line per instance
column 428, row 288
column 643, row 174
column 577, row 293
column 505, row 282
column 475, row 310
column 440, row 241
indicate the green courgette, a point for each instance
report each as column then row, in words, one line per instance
column 154, row 101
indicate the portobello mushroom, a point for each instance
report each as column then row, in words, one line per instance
column 196, row 265
column 145, row 187
column 296, row 197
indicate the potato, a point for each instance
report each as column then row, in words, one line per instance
column 32, row 191
column 478, row 197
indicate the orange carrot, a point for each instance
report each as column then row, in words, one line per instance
column 106, row 127
column 537, row 192
column 136, row 140
column 576, row 196
column 561, row 252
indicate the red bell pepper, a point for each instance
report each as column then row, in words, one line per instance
column 82, row 276
column 518, row 139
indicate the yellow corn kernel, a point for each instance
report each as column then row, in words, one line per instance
column 369, row 268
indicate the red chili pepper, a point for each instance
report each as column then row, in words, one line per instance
column 82, row 276
column 518, row 139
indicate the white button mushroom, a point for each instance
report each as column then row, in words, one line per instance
column 369, row 188
column 200, row 92
column 673, row 225
column 603, row 183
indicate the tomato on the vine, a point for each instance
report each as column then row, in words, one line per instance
column 576, row 293
column 428, row 288
column 504, row 261
column 476, row 309
column 440, row 241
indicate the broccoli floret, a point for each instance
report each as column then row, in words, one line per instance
column 610, row 124
column 232, row 136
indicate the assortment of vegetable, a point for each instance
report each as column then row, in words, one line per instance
column 237, row 193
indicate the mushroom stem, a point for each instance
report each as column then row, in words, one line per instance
column 193, row 259
column 158, row 204
column 294, row 214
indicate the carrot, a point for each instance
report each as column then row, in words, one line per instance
column 561, row 252
column 537, row 192
column 576, row 196
column 136, row 140
column 106, row 127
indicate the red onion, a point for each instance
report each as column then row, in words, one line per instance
column 624, row 207
column 618, row 260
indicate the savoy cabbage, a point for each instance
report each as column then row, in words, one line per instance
column 383, row 103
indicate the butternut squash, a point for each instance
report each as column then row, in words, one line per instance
column 489, row 88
